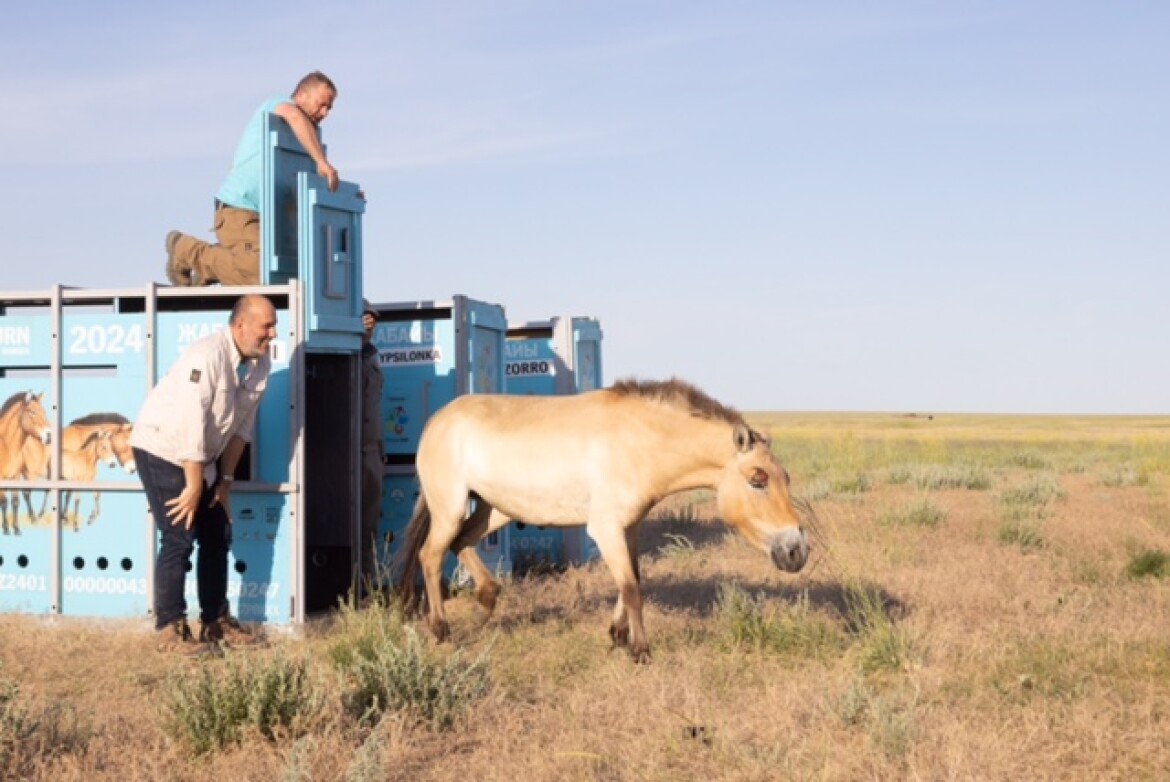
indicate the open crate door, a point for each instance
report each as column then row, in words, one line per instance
column 330, row 263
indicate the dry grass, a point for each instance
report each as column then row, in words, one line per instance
column 972, row 657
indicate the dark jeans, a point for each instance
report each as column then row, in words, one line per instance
column 212, row 530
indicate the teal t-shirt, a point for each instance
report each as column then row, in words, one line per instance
column 241, row 189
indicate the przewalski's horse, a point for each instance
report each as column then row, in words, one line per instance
column 22, row 418
column 601, row 459
column 87, row 441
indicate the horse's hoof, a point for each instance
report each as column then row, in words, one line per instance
column 641, row 656
column 487, row 602
column 620, row 636
column 441, row 630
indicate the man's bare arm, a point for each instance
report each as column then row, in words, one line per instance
column 306, row 133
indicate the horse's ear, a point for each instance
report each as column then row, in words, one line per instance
column 743, row 438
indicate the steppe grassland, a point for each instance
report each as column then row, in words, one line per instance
column 988, row 597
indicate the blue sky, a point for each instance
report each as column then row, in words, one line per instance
column 854, row 206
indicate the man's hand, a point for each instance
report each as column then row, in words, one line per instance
column 329, row 174
column 182, row 509
column 223, row 493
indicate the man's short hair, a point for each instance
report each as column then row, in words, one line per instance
column 312, row 80
column 245, row 304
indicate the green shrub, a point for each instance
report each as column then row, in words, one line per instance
column 212, row 706
column 938, row 477
column 1040, row 492
column 361, row 631
column 899, row 475
column 826, row 487
column 815, row 491
column 920, row 513
column 1029, row 461
column 960, row 476
column 679, row 549
column 1022, row 532
column 882, row 644
column 1151, row 562
column 1123, row 476
column 16, row 729
column 393, row 676
column 791, row 629
column 28, row 737
column 858, row 483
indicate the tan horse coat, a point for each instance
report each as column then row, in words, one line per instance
column 600, row 459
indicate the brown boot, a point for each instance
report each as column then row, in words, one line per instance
column 228, row 631
column 177, row 274
column 176, row 638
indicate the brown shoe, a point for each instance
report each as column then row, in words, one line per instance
column 229, row 632
column 176, row 638
column 177, row 275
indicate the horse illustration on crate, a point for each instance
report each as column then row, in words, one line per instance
column 22, row 420
column 97, row 438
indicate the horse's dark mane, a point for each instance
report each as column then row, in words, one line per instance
column 679, row 393
column 11, row 402
column 93, row 419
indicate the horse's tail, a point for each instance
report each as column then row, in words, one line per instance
column 416, row 535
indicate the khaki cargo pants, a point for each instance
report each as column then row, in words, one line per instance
column 235, row 260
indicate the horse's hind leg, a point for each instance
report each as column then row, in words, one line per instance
column 445, row 526
column 485, row 519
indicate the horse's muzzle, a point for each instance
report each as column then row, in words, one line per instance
column 789, row 549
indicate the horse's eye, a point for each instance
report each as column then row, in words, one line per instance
column 759, row 479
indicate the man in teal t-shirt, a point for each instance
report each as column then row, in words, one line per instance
column 236, row 259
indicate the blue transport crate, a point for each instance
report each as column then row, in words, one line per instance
column 557, row 356
column 399, row 494
column 430, row 353
column 313, row 235
column 78, row 538
column 260, row 578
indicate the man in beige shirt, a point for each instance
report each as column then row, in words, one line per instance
column 187, row 440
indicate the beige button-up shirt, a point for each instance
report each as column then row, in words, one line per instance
column 201, row 402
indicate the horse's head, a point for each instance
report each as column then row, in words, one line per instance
column 120, row 441
column 105, row 448
column 33, row 419
column 753, row 497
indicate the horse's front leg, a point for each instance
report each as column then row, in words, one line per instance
column 619, row 626
column 619, row 549
column 28, row 504
column 97, row 508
